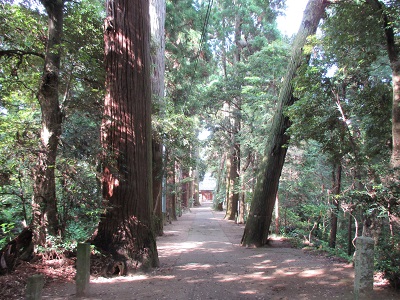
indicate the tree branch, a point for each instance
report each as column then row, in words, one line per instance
column 19, row 53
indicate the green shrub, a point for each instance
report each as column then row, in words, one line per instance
column 388, row 259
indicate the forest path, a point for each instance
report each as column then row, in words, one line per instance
column 200, row 258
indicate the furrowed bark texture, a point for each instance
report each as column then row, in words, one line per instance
column 44, row 204
column 158, row 173
column 125, row 229
column 262, row 205
column 233, row 167
column 157, row 16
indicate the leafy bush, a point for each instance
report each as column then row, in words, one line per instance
column 6, row 233
column 387, row 259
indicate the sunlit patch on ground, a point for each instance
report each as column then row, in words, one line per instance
column 200, row 258
column 120, row 279
column 194, row 266
column 311, row 273
column 248, row 292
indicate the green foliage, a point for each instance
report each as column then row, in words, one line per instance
column 6, row 233
column 335, row 252
column 387, row 259
column 81, row 90
column 56, row 248
column 342, row 116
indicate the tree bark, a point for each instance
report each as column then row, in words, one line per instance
column 125, row 229
column 233, row 169
column 157, row 16
column 170, row 189
column 185, row 189
column 157, row 162
column 44, row 204
column 196, row 197
column 232, row 182
column 218, row 204
column 260, row 216
column 337, row 181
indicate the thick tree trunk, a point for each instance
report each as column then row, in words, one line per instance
column 157, row 17
column 260, row 216
column 190, row 186
column 233, row 168
column 157, row 186
column 218, row 204
column 228, row 188
column 232, row 181
column 242, row 206
column 242, row 199
column 395, row 159
column 125, row 229
column 170, row 189
column 195, row 174
column 185, row 189
column 44, row 204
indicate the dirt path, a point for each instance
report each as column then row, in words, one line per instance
column 201, row 258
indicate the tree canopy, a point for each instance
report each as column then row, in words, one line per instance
column 307, row 125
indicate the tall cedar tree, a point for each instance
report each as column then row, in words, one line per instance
column 233, row 159
column 157, row 15
column 125, row 229
column 44, row 204
column 262, row 205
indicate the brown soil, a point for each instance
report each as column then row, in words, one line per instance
column 200, row 258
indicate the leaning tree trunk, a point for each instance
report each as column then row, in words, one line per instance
column 44, row 204
column 260, row 216
column 125, row 229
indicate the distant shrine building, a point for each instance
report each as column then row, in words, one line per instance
column 206, row 188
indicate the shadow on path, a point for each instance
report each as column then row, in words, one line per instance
column 201, row 258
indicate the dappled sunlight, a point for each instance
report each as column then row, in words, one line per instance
column 171, row 232
column 180, row 246
column 199, row 260
column 194, row 266
column 249, row 292
column 311, row 273
column 264, row 267
column 226, row 277
column 121, row 278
